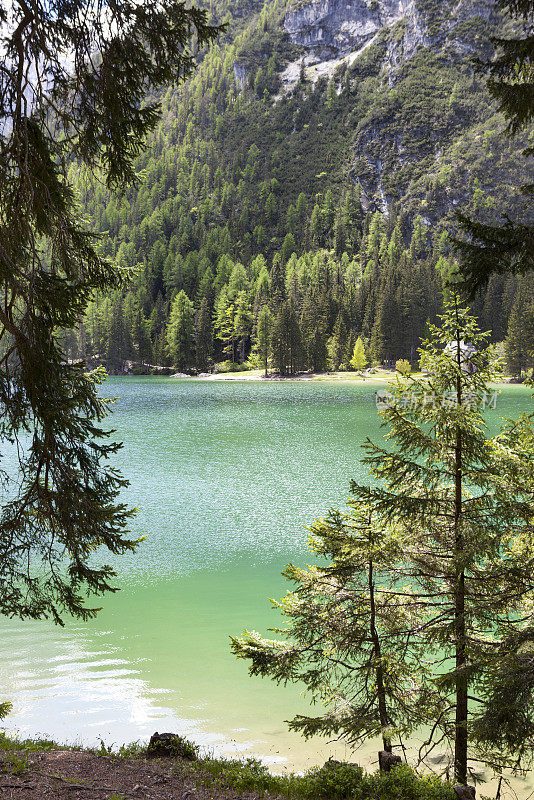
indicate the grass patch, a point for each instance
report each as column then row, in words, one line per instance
column 15, row 762
column 232, row 366
column 125, row 751
column 333, row 781
column 12, row 743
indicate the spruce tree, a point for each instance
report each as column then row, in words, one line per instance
column 141, row 339
column 468, row 500
column 338, row 342
column 204, row 337
column 349, row 635
column 519, row 342
column 516, row 353
column 181, row 332
column 263, row 337
column 288, row 247
column 118, row 342
column 224, row 324
column 313, row 330
column 242, row 323
column 276, row 281
column 424, row 612
column 286, row 340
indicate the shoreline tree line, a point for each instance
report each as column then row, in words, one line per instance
column 297, row 312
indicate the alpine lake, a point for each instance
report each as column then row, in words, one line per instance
column 226, row 476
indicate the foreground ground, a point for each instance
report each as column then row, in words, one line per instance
column 42, row 770
column 75, row 774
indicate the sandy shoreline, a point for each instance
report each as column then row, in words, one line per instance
column 258, row 375
column 377, row 376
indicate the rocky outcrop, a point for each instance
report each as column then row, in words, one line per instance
column 333, row 34
column 333, row 29
column 338, row 27
column 240, row 74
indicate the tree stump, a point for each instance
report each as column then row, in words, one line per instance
column 465, row 792
column 387, row 761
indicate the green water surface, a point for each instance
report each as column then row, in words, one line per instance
column 225, row 476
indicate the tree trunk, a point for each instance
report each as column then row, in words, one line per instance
column 379, row 672
column 460, row 737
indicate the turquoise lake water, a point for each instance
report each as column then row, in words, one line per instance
column 226, row 476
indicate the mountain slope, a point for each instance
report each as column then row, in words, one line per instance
column 344, row 133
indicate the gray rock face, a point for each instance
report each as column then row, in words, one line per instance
column 332, row 29
column 338, row 27
column 240, row 74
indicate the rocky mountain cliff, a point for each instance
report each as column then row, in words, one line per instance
column 335, row 28
column 335, row 34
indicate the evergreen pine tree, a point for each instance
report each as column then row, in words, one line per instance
column 263, row 337
column 508, row 246
column 519, row 342
column 224, row 324
column 457, row 491
column 313, row 328
column 242, row 323
column 288, row 247
column 73, row 80
column 337, row 343
column 204, row 337
column 359, row 359
column 424, row 611
column 141, row 339
column 181, row 332
column 117, row 349
column 286, row 340
column 277, row 283
column 349, row 351
column 349, row 635
column 516, row 354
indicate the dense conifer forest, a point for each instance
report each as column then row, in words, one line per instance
column 276, row 224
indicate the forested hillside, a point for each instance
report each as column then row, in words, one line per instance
column 300, row 192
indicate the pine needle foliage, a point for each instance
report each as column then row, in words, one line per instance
column 509, row 246
column 511, row 73
column 72, row 80
column 350, row 634
column 467, row 499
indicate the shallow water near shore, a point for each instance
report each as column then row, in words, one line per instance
column 225, row 476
